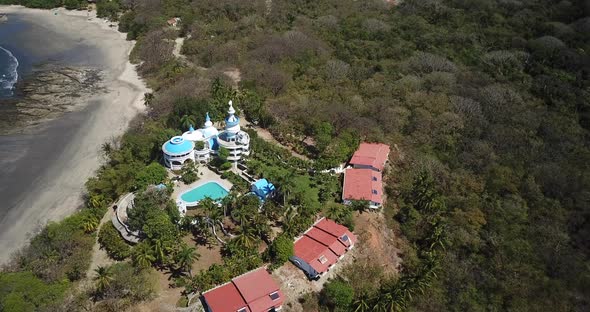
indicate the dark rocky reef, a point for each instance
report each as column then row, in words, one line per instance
column 46, row 93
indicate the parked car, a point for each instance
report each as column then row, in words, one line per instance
column 310, row 272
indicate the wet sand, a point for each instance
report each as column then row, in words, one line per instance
column 43, row 171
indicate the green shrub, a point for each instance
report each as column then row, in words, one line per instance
column 60, row 251
column 337, row 294
column 225, row 166
column 110, row 239
column 280, row 250
column 153, row 173
column 71, row 4
column 199, row 145
column 23, row 291
column 128, row 285
column 108, row 9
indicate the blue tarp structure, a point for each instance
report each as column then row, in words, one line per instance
column 262, row 188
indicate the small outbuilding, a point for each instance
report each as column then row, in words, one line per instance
column 263, row 189
column 370, row 156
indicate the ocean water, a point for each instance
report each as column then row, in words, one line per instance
column 26, row 43
column 8, row 72
column 14, row 60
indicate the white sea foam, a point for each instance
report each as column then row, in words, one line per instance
column 7, row 82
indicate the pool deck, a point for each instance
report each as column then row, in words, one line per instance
column 207, row 176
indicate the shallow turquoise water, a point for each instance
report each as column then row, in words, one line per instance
column 210, row 189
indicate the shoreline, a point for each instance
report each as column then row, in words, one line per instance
column 45, row 180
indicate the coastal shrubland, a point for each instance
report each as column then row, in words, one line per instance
column 120, row 285
column 23, row 291
column 39, row 275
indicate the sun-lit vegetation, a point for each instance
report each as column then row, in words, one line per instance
column 486, row 104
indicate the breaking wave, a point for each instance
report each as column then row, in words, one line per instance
column 9, row 74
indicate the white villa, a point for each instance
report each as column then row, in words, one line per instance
column 179, row 149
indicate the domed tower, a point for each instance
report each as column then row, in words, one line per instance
column 208, row 130
column 232, row 122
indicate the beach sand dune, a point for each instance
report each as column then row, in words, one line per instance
column 42, row 172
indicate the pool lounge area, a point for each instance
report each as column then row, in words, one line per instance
column 211, row 189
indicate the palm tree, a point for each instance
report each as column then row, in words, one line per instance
column 143, row 256
column 103, row 278
column 246, row 238
column 185, row 258
column 159, row 251
column 208, row 205
column 260, row 227
column 95, row 201
column 90, row 224
column 186, row 121
column 286, row 184
column 361, row 304
column 229, row 202
column 289, row 217
column 240, row 215
column 334, row 212
column 148, row 98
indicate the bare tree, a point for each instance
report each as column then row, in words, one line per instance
column 336, row 70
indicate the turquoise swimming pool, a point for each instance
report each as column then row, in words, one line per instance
column 212, row 190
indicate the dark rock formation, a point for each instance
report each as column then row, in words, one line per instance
column 46, row 93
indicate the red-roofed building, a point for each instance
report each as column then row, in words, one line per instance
column 225, row 298
column 322, row 246
column 343, row 233
column 327, row 240
column 371, row 156
column 254, row 291
column 363, row 184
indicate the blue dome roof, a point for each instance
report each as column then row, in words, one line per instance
column 177, row 146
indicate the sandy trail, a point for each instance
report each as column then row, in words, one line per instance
column 46, row 181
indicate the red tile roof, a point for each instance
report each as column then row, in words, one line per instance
column 371, row 154
column 312, row 251
column 264, row 285
column 327, row 240
column 337, row 230
column 323, row 240
column 362, row 184
column 251, row 290
column 225, row 298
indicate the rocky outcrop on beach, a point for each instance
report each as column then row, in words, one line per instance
column 46, row 93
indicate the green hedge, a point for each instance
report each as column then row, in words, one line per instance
column 110, row 239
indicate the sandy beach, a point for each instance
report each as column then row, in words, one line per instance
column 43, row 171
